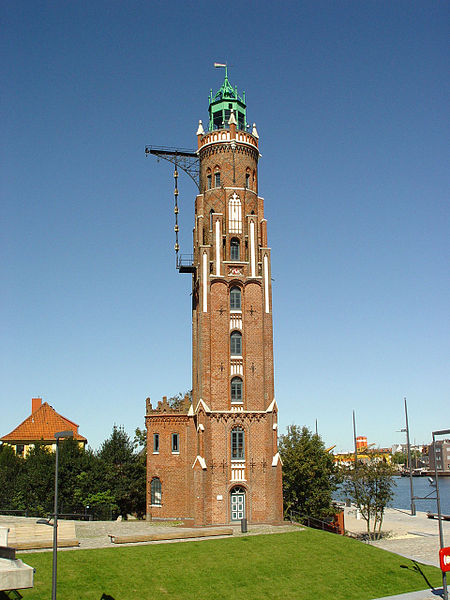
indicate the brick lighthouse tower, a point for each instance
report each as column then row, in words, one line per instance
column 214, row 458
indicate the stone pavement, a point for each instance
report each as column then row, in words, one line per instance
column 94, row 534
column 415, row 537
column 422, row 595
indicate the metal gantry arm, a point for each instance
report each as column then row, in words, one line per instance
column 184, row 159
column 189, row 162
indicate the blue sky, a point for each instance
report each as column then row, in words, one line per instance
column 351, row 104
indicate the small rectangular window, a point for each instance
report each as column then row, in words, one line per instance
column 216, row 179
column 209, row 180
column 247, row 180
column 20, row 449
column 155, row 443
column 175, row 442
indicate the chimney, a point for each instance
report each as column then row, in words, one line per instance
column 35, row 404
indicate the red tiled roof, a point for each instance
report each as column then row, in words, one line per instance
column 42, row 425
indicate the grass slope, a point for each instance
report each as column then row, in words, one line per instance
column 302, row 565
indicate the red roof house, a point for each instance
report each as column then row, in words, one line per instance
column 40, row 427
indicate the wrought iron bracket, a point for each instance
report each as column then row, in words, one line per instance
column 185, row 159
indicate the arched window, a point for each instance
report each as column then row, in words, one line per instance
column 155, row 490
column 235, row 253
column 217, row 179
column 236, row 389
column 237, row 444
column 235, row 298
column 236, row 343
column 211, row 212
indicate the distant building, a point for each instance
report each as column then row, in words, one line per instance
column 442, row 458
column 40, row 428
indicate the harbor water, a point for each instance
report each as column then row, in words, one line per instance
column 422, row 488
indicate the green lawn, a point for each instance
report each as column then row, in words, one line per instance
column 302, row 565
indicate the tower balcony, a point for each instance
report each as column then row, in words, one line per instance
column 185, row 263
column 218, row 136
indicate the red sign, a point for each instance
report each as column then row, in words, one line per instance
column 444, row 558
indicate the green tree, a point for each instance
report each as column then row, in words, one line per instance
column 10, row 468
column 34, row 489
column 309, row 473
column 124, row 473
column 370, row 486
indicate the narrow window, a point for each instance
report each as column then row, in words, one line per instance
column 20, row 449
column 237, row 444
column 234, row 249
column 155, row 443
column 209, row 181
column 236, row 389
column 247, row 180
column 175, row 442
column 217, row 179
column 236, row 343
column 211, row 212
column 155, row 490
column 235, row 299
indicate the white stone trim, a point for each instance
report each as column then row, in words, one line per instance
column 272, row 406
column 201, row 427
column 218, row 236
column 234, row 214
column 252, row 250
column 205, row 281
column 238, row 470
column 277, row 459
column 266, row 283
column 235, row 321
column 205, row 406
column 201, row 461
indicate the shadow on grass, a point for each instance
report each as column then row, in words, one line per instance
column 416, row 568
column 106, row 597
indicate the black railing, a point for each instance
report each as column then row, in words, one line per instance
column 313, row 522
column 12, row 512
column 185, row 263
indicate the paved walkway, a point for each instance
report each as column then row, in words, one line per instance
column 422, row 595
column 94, row 534
column 415, row 537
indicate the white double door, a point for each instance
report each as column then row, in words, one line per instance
column 237, row 506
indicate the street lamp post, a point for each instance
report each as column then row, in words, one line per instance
column 58, row 436
column 438, row 501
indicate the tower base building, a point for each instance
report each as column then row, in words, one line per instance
column 214, row 459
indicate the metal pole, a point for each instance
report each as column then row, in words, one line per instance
column 413, row 505
column 438, row 501
column 354, row 439
column 55, row 525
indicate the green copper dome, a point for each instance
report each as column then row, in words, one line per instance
column 222, row 103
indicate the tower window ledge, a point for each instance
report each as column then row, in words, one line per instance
column 235, row 262
column 234, row 311
column 236, row 357
column 237, row 403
